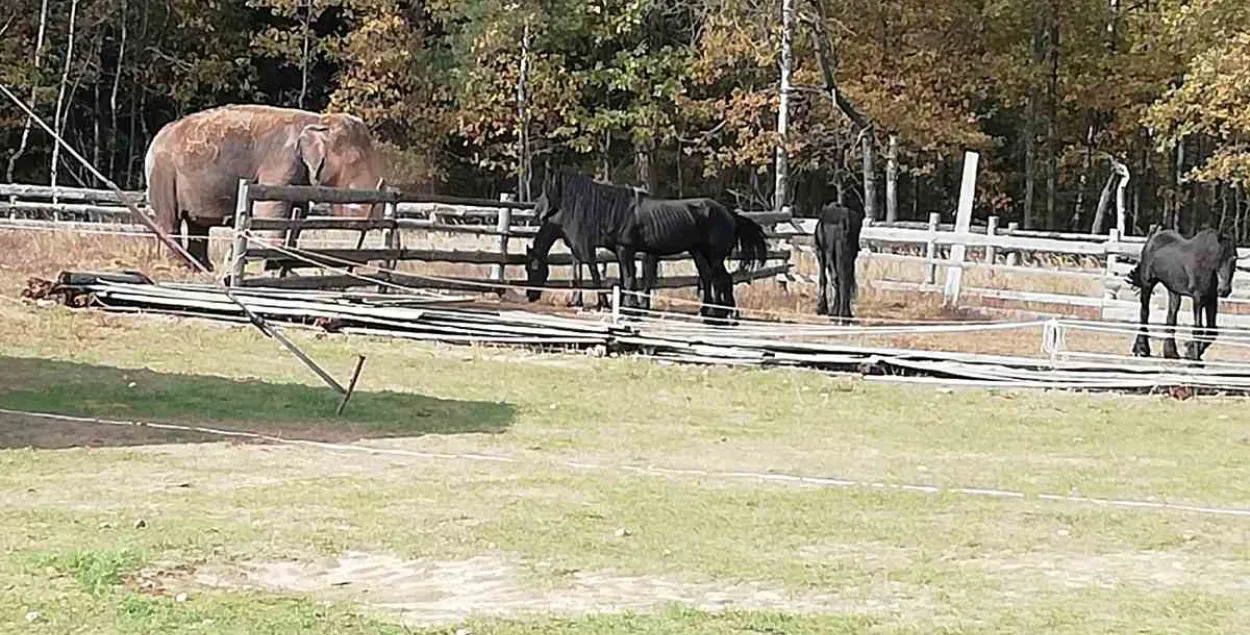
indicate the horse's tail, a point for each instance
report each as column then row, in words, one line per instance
column 752, row 242
column 845, row 240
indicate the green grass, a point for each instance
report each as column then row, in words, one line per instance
column 71, row 543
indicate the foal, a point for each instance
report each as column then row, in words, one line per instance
column 1201, row 268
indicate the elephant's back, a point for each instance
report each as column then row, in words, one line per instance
column 229, row 135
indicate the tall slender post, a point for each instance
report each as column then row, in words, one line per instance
column 963, row 221
column 930, row 250
column 242, row 224
column 781, row 191
column 891, row 180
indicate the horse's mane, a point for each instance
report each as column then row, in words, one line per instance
column 593, row 211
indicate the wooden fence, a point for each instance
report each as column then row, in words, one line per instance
column 1100, row 261
column 414, row 212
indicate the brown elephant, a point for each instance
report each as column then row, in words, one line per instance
column 194, row 164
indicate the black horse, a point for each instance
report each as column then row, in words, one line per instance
column 837, row 245
column 1201, row 268
column 590, row 215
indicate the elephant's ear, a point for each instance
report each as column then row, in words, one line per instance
column 311, row 150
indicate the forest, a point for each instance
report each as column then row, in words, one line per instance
column 759, row 103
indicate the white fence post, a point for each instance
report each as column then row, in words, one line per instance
column 1013, row 257
column 963, row 221
column 930, row 250
column 991, row 229
column 503, row 225
column 242, row 224
column 1113, row 244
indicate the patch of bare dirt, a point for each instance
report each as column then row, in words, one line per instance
column 19, row 431
column 1152, row 569
column 432, row 592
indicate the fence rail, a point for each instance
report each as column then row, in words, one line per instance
column 931, row 245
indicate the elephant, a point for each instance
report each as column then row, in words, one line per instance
column 194, row 164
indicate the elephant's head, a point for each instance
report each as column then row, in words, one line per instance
column 338, row 152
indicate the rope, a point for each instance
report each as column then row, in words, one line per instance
column 651, row 470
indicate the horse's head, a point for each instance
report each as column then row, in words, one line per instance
column 1227, row 265
column 536, row 272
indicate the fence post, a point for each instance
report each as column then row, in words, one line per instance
column 930, row 250
column 391, row 237
column 1113, row 252
column 242, row 224
column 503, row 225
column 1013, row 257
column 963, row 221
column 991, row 230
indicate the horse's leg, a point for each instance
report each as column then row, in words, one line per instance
column 576, row 299
column 625, row 262
column 1212, row 308
column 722, row 293
column 1141, row 346
column 822, row 292
column 650, row 271
column 705, row 282
column 1174, row 307
column 1193, row 348
column 595, row 279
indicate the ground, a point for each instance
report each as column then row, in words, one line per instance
column 512, row 492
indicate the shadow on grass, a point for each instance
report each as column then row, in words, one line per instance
column 284, row 410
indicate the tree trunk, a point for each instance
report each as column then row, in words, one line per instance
column 1178, row 170
column 1087, row 164
column 34, row 94
column 1052, row 102
column 305, row 34
column 642, row 166
column 525, row 153
column 117, row 80
column 1030, row 159
column 781, row 191
column 891, row 180
column 1104, row 202
column 605, row 156
column 870, row 175
column 130, row 146
column 60, row 97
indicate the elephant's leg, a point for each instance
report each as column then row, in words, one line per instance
column 197, row 242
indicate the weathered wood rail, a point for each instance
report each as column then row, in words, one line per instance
column 290, row 256
column 1098, row 262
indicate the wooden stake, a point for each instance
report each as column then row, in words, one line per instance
column 351, row 385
